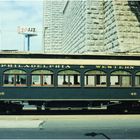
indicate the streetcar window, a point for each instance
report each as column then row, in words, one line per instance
column 68, row 78
column 14, row 78
column 47, row 80
column 42, row 78
column 120, row 79
column 21, row 80
column 95, row 78
column 36, row 80
column 9, row 80
column 63, row 80
column 137, row 79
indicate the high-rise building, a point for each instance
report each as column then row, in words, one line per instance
column 87, row 26
column 83, row 26
column 122, row 26
column 74, row 26
column 52, row 25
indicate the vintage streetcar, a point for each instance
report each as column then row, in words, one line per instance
column 50, row 81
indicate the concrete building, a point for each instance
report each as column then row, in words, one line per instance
column 83, row 26
column 52, row 26
column 88, row 26
column 122, row 26
column 74, row 26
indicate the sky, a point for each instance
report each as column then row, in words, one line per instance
column 23, row 13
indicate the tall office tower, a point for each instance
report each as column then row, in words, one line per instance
column 122, row 26
column 94, row 26
column 74, row 25
column 52, row 26
column 87, row 26
column 83, row 26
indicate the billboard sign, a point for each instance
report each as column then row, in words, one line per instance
column 27, row 30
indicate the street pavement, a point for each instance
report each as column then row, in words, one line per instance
column 70, row 127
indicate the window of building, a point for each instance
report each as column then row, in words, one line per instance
column 120, row 79
column 95, row 78
column 42, row 78
column 14, row 77
column 69, row 78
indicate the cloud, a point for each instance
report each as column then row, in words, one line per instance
column 14, row 13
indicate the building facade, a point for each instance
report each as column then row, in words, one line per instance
column 88, row 26
column 74, row 26
column 52, row 26
column 83, row 26
column 122, row 26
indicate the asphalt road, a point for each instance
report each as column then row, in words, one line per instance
column 70, row 127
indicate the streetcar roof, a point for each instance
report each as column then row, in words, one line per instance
column 69, row 61
column 115, row 56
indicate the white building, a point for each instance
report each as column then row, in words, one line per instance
column 122, row 26
column 52, row 25
column 88, row 26
column 83, row 26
